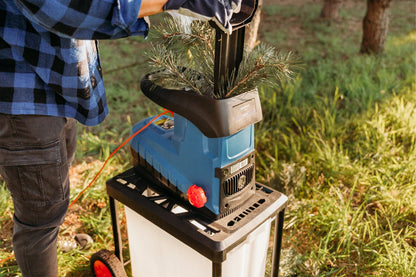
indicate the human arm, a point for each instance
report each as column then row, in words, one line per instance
column 151, row 7
column 109, row 19
column 86, row 19
column 218, row 11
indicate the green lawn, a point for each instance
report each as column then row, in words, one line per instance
column 339, row 140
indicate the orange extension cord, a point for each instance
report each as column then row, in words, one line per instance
column 102, row 167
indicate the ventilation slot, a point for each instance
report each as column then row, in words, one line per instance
column 246, row 212
column 238, row 182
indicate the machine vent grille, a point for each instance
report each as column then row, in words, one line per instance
column 238, row 182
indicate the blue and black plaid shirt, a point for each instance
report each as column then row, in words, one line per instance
column 49, row 62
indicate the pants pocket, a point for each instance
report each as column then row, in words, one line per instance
column 39, row 176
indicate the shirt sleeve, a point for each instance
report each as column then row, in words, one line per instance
column 86, row 19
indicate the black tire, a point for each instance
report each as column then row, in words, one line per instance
column 109, row 261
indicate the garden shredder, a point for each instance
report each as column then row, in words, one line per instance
column 205, row 153
column 199, row 164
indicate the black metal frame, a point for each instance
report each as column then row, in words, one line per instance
column 130, row 194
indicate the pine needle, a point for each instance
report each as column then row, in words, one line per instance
column 184, row 59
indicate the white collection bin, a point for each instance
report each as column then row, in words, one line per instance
column 154, row 252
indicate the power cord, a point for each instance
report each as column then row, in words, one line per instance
column 105, row 162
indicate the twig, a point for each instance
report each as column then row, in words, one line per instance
column 206, row 40
column 258, row 67
column 172, row 67
column 242, row 81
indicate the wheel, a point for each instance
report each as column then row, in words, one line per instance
column 105, row 264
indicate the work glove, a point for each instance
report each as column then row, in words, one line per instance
column 220, row 11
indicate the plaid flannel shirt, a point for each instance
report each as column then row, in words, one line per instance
column 49, row 62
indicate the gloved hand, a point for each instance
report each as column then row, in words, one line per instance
column 220, row 11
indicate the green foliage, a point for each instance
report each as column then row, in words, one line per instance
column 340, row 141
column 5, row 208
column 182, row 58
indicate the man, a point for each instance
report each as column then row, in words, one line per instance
column 50, row 77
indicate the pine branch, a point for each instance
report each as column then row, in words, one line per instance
column 242, row 81
column 261, row 66
column 185, row 60
column 167, row 65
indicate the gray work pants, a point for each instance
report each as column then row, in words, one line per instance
column 35, row 155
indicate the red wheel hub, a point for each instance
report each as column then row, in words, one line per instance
column 101, row 270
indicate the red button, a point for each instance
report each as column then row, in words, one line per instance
column 196, row 196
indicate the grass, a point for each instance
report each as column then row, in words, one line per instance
column 339, row 140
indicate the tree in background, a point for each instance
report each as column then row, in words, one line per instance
column 253, row 28
column 330, row 10
column 375, row 26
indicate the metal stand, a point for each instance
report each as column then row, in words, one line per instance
column 218, row 238
column 278, row 234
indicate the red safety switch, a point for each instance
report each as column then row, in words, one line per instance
column 196, row 196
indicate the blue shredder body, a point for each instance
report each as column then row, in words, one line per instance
column 208, row 143
column 184, row 156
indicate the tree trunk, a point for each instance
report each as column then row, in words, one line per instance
column 253, row 28
column 330, row 10
column 375, row 26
